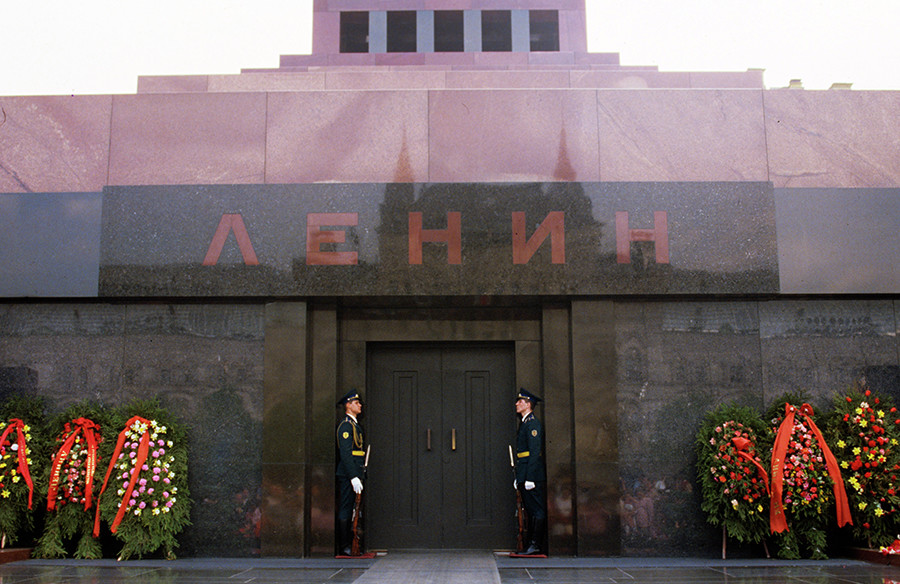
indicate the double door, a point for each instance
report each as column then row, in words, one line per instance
column 439, row 419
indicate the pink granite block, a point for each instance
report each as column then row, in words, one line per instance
column 54, row 144
column 551, row 58
column 751, row 79
column 445, row 5
column 326, row 33
column 682, row 135
column 171, row 83
column 404, row 59
column 599, row 79
column 289, row 61
column 336, row 80
column 210, row 138
column 835, row 138
column 351, row 59
column 274, row 81
column 573, row 30
column 501, row 59
column 513, row 135
column 598, row 59
column 450, row 60
column 343, row 136
column 507, row 79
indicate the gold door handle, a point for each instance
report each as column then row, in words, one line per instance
column 428, row 439
column 453, row 439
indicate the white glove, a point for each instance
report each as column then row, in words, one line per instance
column 529, row 485
column 357, row 485
column 515, row 484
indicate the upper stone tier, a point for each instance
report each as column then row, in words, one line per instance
column 364, row 44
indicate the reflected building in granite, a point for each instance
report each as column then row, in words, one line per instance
column 438, row 207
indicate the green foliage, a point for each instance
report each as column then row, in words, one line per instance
column 864, row 434
column 732, row 488
column 807, row 488
column 69, row 520
column 159, row 506
column 15, row 516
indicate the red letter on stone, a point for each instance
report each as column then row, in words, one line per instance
column 659, row 235
column 315, row 238
column 554, row 226
column 452, row 236
column 229, row 222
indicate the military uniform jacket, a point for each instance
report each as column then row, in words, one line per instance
column 351, row 452
column 529, row 451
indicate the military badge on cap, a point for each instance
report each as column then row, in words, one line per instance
column 523, row 394
column 349, row 397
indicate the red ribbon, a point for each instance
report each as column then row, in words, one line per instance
column 143, row 450
column 19, row 426
column 90, row 430
column 742, row 445
column 777, row 519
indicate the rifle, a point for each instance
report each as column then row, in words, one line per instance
column 520, row 510
column 354, row 547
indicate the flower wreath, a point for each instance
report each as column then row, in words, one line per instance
column 21, row 439
column 732, row 478
column 806, row 481
column 150, row 504
column 865, row 431
column 71, row 483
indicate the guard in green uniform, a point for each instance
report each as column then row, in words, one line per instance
column 531, row 474
column 350, row 454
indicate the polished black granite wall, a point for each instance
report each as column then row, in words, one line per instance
column 720, row 238
column 677, row 360
column 642, row 375
column 204, row 362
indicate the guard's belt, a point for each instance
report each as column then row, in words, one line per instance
column 523, row 454
column 359, row 453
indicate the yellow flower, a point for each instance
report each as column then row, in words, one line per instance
column 879, row 512
column 857, row 450
column 862, row 505
column 859, row 411
column 16, row 478
column 863, row 423
column 880, row 413
column 5, row 493
column 759, row 508
column 845, row 464
column 841, row 443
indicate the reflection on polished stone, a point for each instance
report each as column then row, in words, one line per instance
column 204, row 363
column 838, row 241
column 425, row 239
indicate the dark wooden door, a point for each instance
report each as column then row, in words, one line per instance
column 439, row 419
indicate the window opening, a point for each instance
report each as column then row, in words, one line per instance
column 448, row 31
column 496, row 30
column 544, row 27
column 401, row 31
column 354, row 32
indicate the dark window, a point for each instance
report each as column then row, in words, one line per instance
column 544, row 25
column 448, row 31
column 401, row 31
column 354, row 32
column 496, row 30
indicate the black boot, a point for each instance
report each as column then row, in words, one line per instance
column 345, row 536
column 538, row 530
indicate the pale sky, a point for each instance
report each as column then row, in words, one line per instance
column 55, row 47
